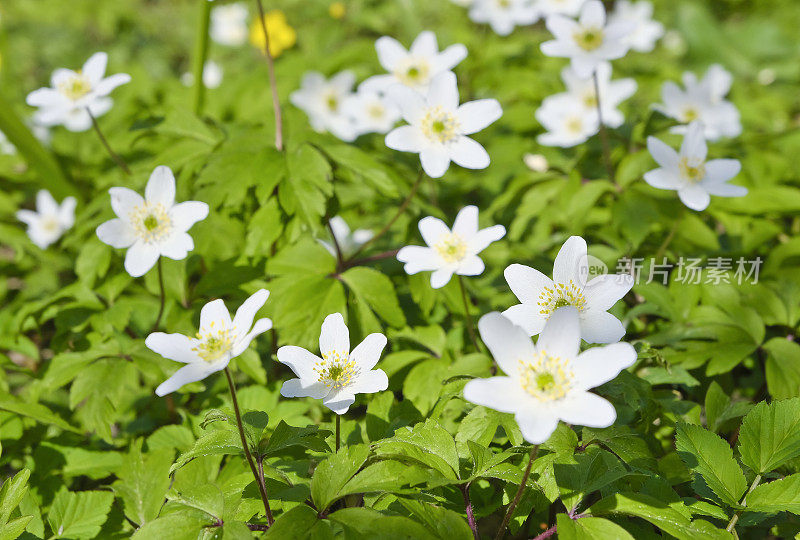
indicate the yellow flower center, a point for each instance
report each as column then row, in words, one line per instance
column 451, row 248
column 151, row 222
column 503, row 4
column 376, row 111
column 440, row 125
column 690, row 114
column 50, row 224
column 332, row 102
column 590, row 99
column 692, row 171
column 574, row 125
column 336, row 370
column 589, row 39
column 545, row 377
column 413, row 72
column 214, row 344
column 75, row 87
column 561, row 295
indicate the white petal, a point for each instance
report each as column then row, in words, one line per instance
column 140, row 258
column 300, row 361
column 161, row 187
column 418, row 259
column 499, row 393
column 476, row 115
column 536, row 426
column 664, row 154
column 45, row 203
column 561, row 335
column 370, row 382
column 28, row 217
column 175, row 347
column 124, row 201
column 526, row 283
column 466, row 223
column 424, row 44
column 443, row 91
column 411, row 103
column 334, row 336
column 586, row 409
column 186, row 214
column 600, row 327
column 243, row 342
column 406, row 139
column 339, row 401
column 599, row 365
column 108, row 84
column 663, row 178
column 377, row 83
column 471, row 266
column 469, row 154
column 368, row 352
column 116, row 233
column 486, row 236
column 343, row 81
column 187, row 374
column 432, row 229
column 527, row 316
column 694, row 196
column 46, row 97
column 435, row 161
column 304, row 388
column 390, row 52
column 243, row 319
column 507, row 342
column 78, row 120
column 66, row 212
column 214, row 313
column 721, row 170
column 561, row 27
column 571, row 263
column 176, row 246
column 724, row 189
column 95, row 67
column 606, row 290
column 450, row 57
column 694, row 142
column 440, row 277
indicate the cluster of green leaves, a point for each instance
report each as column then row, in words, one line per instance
column 707, row 436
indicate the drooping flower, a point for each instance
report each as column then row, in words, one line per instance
column 688, row 172
column 646, row 31
column 281, row 35
column 323, row 101
column 416, row 67
column 588, row 41
column 702, row 101
column 50, row 220
column 450, row 251
column 212, row 75
column 219, row 340
column 503, row 15
column 229, row 24
column 548, row 381
column 570, row 8
column 152, row 226
column 347, row 241
column 341, row 373
column 371, row 112
column 567, row 123
column 75, row 94
column 542, row 296
column 438, row 126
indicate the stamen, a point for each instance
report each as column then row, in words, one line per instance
column 336, row 370
column 214, row 344
column 413, row 72
column 545, row 377
column 589, row 39
column 151, row 222
column 451, row 247
column 75, row 87
column 440, row 126
column 561, row 295
column 692, row 171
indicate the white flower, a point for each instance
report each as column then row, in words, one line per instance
column 371, row 112
column 541, row 296
column 503, row 15
column 570, row 8
column 347, row 241
column 49, row 221
column 219, row 340
column 588, row 41
column 5, row 145
column 73, row 92
column 416, row 67
column 151, row 226
column 438, row 126
column 340, row 374
column 229, row 24
column 567, row 122
column 549, row 381
column 212, row 75
column 450, row 252
column 688, row 172
column 322, row 100
column 536, row 162
column 646, row 31
column 702, row 100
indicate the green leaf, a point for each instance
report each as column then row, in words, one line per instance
column 770, row 435
column 427, row 443
column 777, row 496
column 215, row 442
column 365, row 523
column 309, row 184
column 444, row 523
column 79, row 514
column 11, row 494
column 143, row 482
column 783, row 368
column 709, row 456
column 377, row 291
column 716, row 402
column 334, row 472
column 299, row 522
column 14, row 528
column 204, row 497
column 589, row 528
column 285, row 436
column 175, row 526
column 36, row 411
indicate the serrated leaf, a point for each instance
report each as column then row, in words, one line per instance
column 334, row 472
column 427, row 443
column 377, row 291
column 79, row 514
column 11, row 494
column 777, row 496
column 589, row 528
column 216, row 442
column 285, row 436
column 770, row 435
column 143, row 483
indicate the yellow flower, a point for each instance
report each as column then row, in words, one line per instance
column 337, row 10
column 281, row 35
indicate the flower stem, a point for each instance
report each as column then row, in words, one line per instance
column 163, row 296
column 276, row 104
column 470, row 514
column 338, row 431
column 114, row 156
column 470, row 326
column 262, row 488
column 336, row 247
column 200, row 55
column 397, row 215
column 735, row 517
column 513, row 505
column 603, row 134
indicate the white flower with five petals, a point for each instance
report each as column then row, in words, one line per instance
column 75, row 94
column 438, row 126
column 347, row 240
column 50, row 220
column 503, row 15
column 646, row 31
column 341, row 373
column 152, row 226
column 548, row 381
column 588, row 41
column 415, row 67
column 371, row 112
column 450, row 251
column 323, row 101
column 688, row 172
column 567, row 122
column 219, row 340
column 541, row 296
